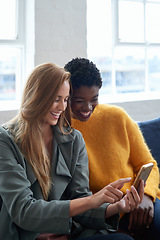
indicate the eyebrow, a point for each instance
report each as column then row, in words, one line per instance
column 61, row 96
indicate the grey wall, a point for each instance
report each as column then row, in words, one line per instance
column 6, row 116
column 60, row 30
column 142, row 110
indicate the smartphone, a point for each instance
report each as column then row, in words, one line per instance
column 143, row 174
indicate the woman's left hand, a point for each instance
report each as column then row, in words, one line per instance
column 141, row 217
column 131, row 200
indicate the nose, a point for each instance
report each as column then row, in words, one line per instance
column 88, row 106
column 62, row 105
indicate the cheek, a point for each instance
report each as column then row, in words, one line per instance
column 53, row 106
column 94, row 105
column 74, row 107
column 45, row 119
column 65, row 105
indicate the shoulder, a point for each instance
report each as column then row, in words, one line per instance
column 111, row 112
column 8, row 146
column 5, row 133
column 109, row 116
column 7, row 138
column 69, row 136
column 77, row 138
column 77, row 135
column 109, row 108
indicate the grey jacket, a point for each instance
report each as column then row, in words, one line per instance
column 24, row 214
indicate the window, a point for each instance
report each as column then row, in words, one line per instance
column 11, row 53
column 124, row 42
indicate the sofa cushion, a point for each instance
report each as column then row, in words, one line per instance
column 151, row 132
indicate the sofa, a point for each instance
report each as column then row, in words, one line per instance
column 151, row 132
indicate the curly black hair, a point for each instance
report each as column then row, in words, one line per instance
column 83, row 73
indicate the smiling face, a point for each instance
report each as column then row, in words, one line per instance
column 59, row 105
column 83, row 102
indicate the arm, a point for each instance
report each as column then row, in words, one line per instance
column 140, row 154
column 109, row 194
column 79, row 188
column 23, row 208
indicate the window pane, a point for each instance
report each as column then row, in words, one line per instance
column 154, row 1
column 131, row 21
column 130, row 70
column 106, row 78
column 8, row 19
column 153, row 22
column 154, row 69
column 8, row 73
column 104, row 64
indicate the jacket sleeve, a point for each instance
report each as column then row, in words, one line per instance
column 26, row 211
column 79, row 187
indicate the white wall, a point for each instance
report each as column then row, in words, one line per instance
column 56, row 32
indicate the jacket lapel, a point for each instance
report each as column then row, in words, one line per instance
column 62, row 168
column 30, row 174
column 62, row 156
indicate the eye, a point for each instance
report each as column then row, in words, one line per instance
column 94, row 100
column 78, row 101
column 66, row 99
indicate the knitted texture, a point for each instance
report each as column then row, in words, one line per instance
column 116, row 149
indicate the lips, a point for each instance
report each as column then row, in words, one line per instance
column 55, row 115
column 85, row 114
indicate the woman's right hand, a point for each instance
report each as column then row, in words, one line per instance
column 128, row 203
column 110, row 193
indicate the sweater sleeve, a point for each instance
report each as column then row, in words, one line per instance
column 139, row 155
column 94, row 218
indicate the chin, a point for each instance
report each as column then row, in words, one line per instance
column 83, row 119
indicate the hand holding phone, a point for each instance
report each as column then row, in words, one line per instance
column 143, row 174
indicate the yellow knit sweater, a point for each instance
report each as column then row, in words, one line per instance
column 116, row 149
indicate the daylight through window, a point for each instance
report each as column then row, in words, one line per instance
column 11, row 48
column 124, row 42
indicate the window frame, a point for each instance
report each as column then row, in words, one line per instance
column 116, row 25
column 114, row 97
column 18, row 42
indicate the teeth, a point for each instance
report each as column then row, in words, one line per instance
column 85, row 114
column 57, row 114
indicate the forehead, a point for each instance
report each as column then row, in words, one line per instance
column 86, row 92
column 64, row 89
